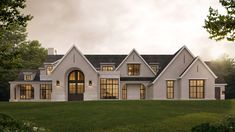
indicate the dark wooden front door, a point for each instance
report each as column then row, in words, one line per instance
column 217, row 93
column 76, row 85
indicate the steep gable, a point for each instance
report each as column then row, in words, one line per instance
column 182, row 59
column 74, row 49
column 134, row 57
column 196, row 65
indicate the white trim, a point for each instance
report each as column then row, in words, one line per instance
column 198, row 78
column 198, row 58
column 220, row 84
column 68, row 53
column 194, row 61
column 208, row 68
column 184, row 47
column 171, row 79
column 133, row 50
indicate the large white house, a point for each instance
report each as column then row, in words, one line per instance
column 75, row 76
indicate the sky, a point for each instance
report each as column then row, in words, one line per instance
column 118, row 26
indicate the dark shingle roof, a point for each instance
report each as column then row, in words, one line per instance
column 95, row 60
column 220, row 79
column 163, row 60
column 188, row 66
column 53, row 58
column 137, row 78
column 36, row 78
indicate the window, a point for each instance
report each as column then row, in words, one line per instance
column 107, row 68
column 76, row 82
column 142, row 91
column 133, row 69
column 27, row 77
column 170, row 89
column 26, row 91
column 196, row 89
column 109, row 88
column 155, row 67
column 45, row 91
column 124, row 92
column 49, row 69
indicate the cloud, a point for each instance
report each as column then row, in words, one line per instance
column 111, row 26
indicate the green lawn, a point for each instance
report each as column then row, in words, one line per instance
column 120, row 115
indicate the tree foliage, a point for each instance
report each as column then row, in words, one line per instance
column 224, row 68
column 222, row 26
column 16, row 52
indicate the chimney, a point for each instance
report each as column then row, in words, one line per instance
column 51, row 51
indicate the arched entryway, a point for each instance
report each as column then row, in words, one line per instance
column 76, row 85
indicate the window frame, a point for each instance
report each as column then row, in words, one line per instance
column 49, row 70
column 124, row 92
column 169, row 94
column 107, row 68
column 109, row 85
column 135, row 70
column 27, row 77
column 156, row 69
column 142, row 91
column 45, row 89
column 26, row 92
column 196, row 89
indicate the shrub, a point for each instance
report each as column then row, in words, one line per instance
column 8, row 124
column 226, row 125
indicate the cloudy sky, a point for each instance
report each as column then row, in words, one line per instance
column 117, row 26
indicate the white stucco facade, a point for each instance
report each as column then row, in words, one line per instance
column 75, row 76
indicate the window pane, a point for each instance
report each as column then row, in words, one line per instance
column 133, row 69
column 109, row 88
column 170, row 89
column 196, row 88
column 72, row 88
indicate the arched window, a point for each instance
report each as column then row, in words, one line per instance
column 76, row 86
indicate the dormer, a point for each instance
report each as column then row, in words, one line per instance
column 107, row 66
column 28, row 75
column 49, row 69
column 155, row 67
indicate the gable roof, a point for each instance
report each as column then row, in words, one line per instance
column 74, row 47
column 133, row 50
column 161, row 60
column 172, row 60
column 52, row 58
column 193, row 62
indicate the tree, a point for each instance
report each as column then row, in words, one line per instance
column 224, row 68
column 14, row 48
column 221, row 26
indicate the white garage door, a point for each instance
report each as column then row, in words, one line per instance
column 133, row 91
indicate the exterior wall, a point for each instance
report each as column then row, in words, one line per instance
column 172, row 73
column 74, row 61
column 134, row 58
column 149, row 92
column 222, row 88
column 133, row 91
column 145, row 83
column 14, row 87
column 198, row 71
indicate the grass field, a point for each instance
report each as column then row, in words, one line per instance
column 120, row 115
